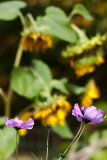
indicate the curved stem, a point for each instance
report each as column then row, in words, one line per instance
column 31, row 18
column 72, row 140
column 16, row 64
column 18, row 54
column 70, row 16
column 75, row 141
column 22, row 19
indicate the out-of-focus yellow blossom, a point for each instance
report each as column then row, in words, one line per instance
column 91, row 93
column 55, row 114
column 23, row 132
column 99, row 60
column 84, row 70
column 87, row 65
column 25, row 117
column 36, row 42
column 86, row 101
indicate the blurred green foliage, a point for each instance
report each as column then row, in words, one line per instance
column 10, row 10
column 7, row 142
column 46, row 79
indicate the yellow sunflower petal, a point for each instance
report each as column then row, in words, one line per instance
column 36, row 42
column 61, row 114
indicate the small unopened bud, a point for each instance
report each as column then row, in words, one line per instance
column 62, row 155
column 48, row 126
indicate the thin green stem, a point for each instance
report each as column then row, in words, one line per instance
column 31, row 19
column 22, row 19
column 9, row 95
column 34, row 156
column 8, row 103
column 18, row 54
column 17, row 145
column 72, row 140
column 47, row 145
column 79, row 135
column 70, row 16
column 75, row 142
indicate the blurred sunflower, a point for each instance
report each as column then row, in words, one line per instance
column 85, row 56
column 84, row 70
column 55, row 114
column 36, row 42
column 92, row 92
column 85, row 46
column 88, row 64
column 25, row 117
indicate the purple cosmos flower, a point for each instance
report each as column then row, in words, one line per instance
column 88, row 115
column 19, row 124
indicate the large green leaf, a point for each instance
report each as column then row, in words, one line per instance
column 42, row 70
column 7, row 142
column 59, row 85
column 9, row 10
column 57, row 24
column 57, row 14
column 81, row 10
column 25, row 83
column 63, row 131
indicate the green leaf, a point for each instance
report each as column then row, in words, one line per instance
column 77, row 90
column 57, row 24
column 81, row 10
column 63, row 131
column 57, row 14
column 9, row 10
column 59, row 85
column 2, row 121
column 25, row 83
column 86, row 61
column 42, row 70
column 7, row 142
column 81, row 33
